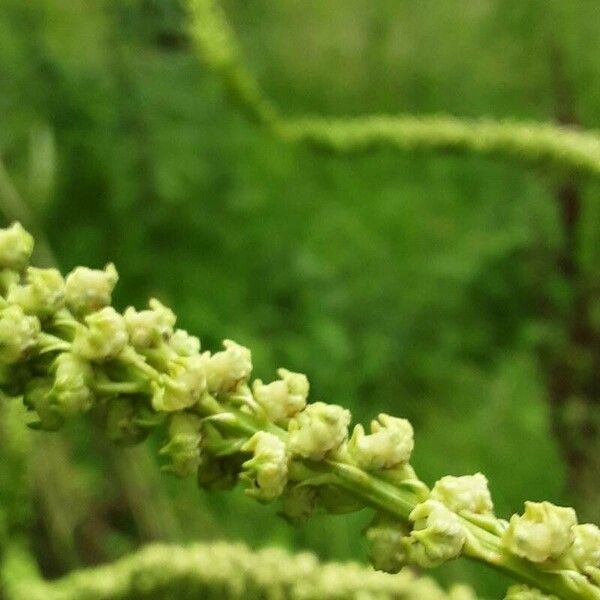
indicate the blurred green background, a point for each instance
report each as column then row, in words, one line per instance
column 428, row 286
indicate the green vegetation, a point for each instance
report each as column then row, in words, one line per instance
column 449, row 282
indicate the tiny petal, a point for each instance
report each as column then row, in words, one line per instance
column 184, row 344
column 387, row 547
column 586, row 546
column 149, row 328
column 319, row 429
column 71, row 393
column 37, row 397
column 299, row 502
column 543, row 532
column 284, row 398
column 267, row 470
column 469, row 493
column 438, row 534
column 89, row 290
column 42, row 294
column 228, row 368
column 390, row 443
column 104, row 337
column 18, row 334
column 182, row 387
column 183, row 447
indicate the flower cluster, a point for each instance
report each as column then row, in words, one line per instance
column 66, row 351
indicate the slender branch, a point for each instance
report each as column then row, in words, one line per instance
column 529, row 143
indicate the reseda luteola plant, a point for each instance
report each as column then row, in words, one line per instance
column 66, row 351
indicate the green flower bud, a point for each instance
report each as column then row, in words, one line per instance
column 37, row 397
column 43, row 293
column 18, row 334
column 522, row 592
column 320, row 428
column 543, row 532
column 387, row 544
column 266, row 472
column 89, row 290
column 389, row 445
column 104, row 337
column 183, row 447
column 225, row 370
column 16, row 246
column 284, row 398
column 184, row 344
column 183, row 387
column 298, row 503
column 438, row 534
column 149, row 328
column 469, row 493
column 585, row 550
column 71, row 393
column 122, row 425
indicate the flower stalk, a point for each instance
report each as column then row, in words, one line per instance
column 64, row 351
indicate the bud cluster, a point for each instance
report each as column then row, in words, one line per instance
column 66, row 351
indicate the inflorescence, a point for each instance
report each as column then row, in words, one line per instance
column 221, row 571
column 66, row 351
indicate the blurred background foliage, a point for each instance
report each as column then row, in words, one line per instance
column 419, row 285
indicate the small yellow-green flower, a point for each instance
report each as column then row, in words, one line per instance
column 42, row 294
column 284, row 398
column 320, row 428
column 37, row 398
column 267, row 470
column 387, row 544
column 182, row 387
column 18, row 334
column 225, row 370
column 183, row 343
column 298, row 502
column 89, row 290
column 71, row 393
column 104, row 337
column 183, row 447
column 389, row 444
column 438, row 534
column 585, row 550
column 543, row 532
column 122, row 426
column 469, row 493
column 151, row 327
